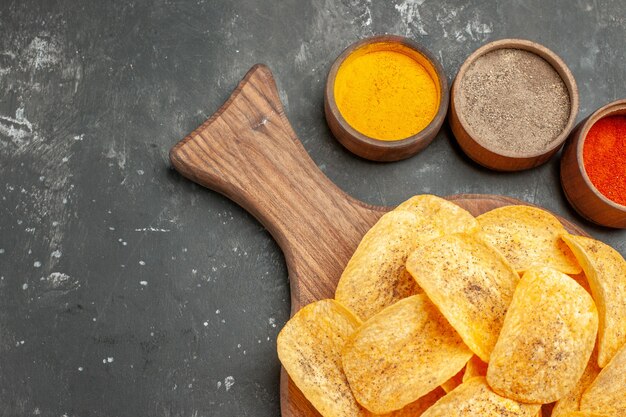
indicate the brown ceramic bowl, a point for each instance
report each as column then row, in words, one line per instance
column 476, row 148
column 578, row 188
column 376, row 149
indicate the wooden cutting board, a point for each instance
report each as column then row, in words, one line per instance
column 249, row 152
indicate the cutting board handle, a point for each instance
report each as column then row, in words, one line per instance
column 249, row 152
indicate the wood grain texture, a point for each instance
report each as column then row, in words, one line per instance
column 578, row 188
column 381, row 150
column 248, row 151
column 478, row 150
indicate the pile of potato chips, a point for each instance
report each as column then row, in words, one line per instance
column 440, row 314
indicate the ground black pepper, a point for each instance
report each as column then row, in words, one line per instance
column 514, row 102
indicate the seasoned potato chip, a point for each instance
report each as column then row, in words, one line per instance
column 401, row 354
column 375, row 276
column 439, row 216
column 584, row 414
column 606, row 271
column 474, row 398
column 548, row 335
column 471, row 284
column 475, row 367
column 571, row 402
column 309, row 347
column 453, row 382
column 527, row 237
column 607, row 393
column 416, row 408
column 582, row 280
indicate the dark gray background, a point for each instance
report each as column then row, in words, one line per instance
column 126, row 290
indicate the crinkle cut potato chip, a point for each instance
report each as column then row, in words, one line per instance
column 571, row 401
column 416, row 408
column 375, row 276
column 606, row 272
column 474, row 398
column 439, row 216
column 309, row 347
column 475, row 367
column 527, row 237
column 607, row 393
column 547, row 339
column 470, row 282
column 401, row 354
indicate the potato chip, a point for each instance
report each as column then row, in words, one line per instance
column 453, row 382
column 606, row 271
column 475, row 367
column 571, row 402
column 582, row 280
column 584, row 414
column 375, row 276
column 439, row 216
column 607, row 393
column 548, row 335
column 309, row 347
column 401, row 354
column 416, row 408
column 471, row 284
column 527, row 237
column 474, row 398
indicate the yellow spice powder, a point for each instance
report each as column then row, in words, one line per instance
column 385, row 94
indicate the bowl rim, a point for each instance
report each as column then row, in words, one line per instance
column 614, row 108
column 400, row 144
column 547, row 55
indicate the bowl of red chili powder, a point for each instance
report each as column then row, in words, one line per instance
column 593, row 166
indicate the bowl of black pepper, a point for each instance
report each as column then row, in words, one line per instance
column 513, row 104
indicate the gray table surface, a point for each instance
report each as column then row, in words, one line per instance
column 126, row 290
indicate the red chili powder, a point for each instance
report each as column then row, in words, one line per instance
column 604, row 156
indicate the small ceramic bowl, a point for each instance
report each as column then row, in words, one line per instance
column 386, row 150
column 478, row 149
column 578, row 188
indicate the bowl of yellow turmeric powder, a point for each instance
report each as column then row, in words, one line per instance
column 386, row 98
